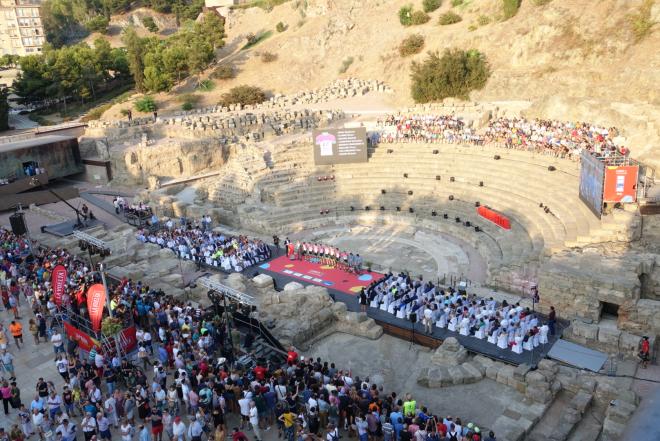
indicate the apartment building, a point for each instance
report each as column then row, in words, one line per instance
column 21, row 31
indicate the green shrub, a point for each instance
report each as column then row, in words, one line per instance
column 224, row 72
column 455, row 74
column 510, row 8
column 345, row 64
column 641, row 23
column 244, row 95
column 150, row 24
column 411, row 45
column 281, row 27
column 405, row 15
column 206, row 85
column 456, row 2
column 431, row 5
column 420, row 17
column 124, row 112
column 449, row 17
column 146, row 104
column 98, row 23
column 187, row 106
column 253, row 40
column 188, row 98
column 483, row 20
column 472, row 27
column 541, row 2
column 268, row 57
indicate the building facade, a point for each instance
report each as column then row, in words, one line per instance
column 21, row 30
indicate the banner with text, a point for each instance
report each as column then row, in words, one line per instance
column 495, row 217
column 85, row 341
column 59, row 284
column 621, row 183
column 95, row 303
column 340, row 146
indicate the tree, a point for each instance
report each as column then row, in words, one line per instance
column 4, row 109
column 98, row 23
column 244, row 95
column 454, row 74
column 212, row 27
column 135, row 52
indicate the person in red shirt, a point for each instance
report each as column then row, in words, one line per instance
column 237, row 435
column 645, row 352
column 260, row 372
column 291, row 356
column 442, row 429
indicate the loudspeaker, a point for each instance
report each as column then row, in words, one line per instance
column 413, row 317
column 411, row 210
column 437, row 177
column 496, row 157
column 390, row 151
column 476, row 204
column 352, row 208
column 17, row 224
column 445, row 216
column 468, row 224
column 405, row 175
column 434, row 213
column 481, row 183
column 551, row 168
column 458, row 220
column 435, row 152
column 451, row 197
column 382, row 208
column 367, row 208
column 476, row 228
column 451, row 179
column 410, row 192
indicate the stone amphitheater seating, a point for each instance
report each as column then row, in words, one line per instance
column 515, row 185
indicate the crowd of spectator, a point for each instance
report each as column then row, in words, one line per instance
column 557, row 138
column 508, row 326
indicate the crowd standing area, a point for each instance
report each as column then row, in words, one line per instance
column 184, row 384
column 557, row 138
column 503, row 324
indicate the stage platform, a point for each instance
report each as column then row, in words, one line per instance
column 66, row 228
column 398, row 327
column 318, row 274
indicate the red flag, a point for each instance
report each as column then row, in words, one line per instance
column 95, row 303
column 59, row 283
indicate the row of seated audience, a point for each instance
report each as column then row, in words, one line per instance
column 230, row 253
column 507, row 326
column 557, row 138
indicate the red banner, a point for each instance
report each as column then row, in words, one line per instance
column 59, row 284
column 620, row 183
column 85, row 342
column 128, row 340
column 95, row 303
column 494, row 217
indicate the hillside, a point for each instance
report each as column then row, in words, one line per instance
column 573, row 59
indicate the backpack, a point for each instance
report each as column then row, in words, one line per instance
column 453, row 436
column 432, row 436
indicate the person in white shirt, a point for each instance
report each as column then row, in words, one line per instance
column 254, row 420
column 89, row 426
column 127, row 431
column 58, row 343
column 110, row 408
column 244, row 404
column 178, row 430
column 67, row 430
column 104, row 427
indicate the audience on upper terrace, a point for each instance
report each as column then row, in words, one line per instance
column 558, row 138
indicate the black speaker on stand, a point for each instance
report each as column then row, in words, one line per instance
column 413, row 320
column 17, row 222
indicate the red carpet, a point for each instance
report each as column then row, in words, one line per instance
column 321, row 275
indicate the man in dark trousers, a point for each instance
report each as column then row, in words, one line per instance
column 552, row 319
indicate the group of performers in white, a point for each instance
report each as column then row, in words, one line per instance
column 325, row 255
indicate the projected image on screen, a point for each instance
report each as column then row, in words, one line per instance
column 592, row 174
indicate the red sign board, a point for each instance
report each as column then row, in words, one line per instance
column 128, row 340
column 85, row 342
column 494, row 217
column 95, row 303
column 59, row 284
column 620, row 183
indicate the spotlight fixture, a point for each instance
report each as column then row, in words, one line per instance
column 398, row 208
column 411, row 210
column 458, row 220
column 434, row 213
column 352, row 208
column 451, row 197
column 383, row 191
column 445, row 216
column 481, row 183
column 476, row 228
column 390, row 151
column 551, row 168
column 410, row 192
column 382, row 208
column 405, row 175
column 435, row 152
column 467, row 223
column 367, row 208
column 496, row 157
column 437, row 177
column 477, row 204
column 451, row 179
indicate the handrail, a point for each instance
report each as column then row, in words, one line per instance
column 256, row 325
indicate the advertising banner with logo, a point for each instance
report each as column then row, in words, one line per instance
column 128, row 340
column 85, row 341
column 340, row 146
column 495, row 217
column 95, row 303
column 621, row 183
column 59, row 283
